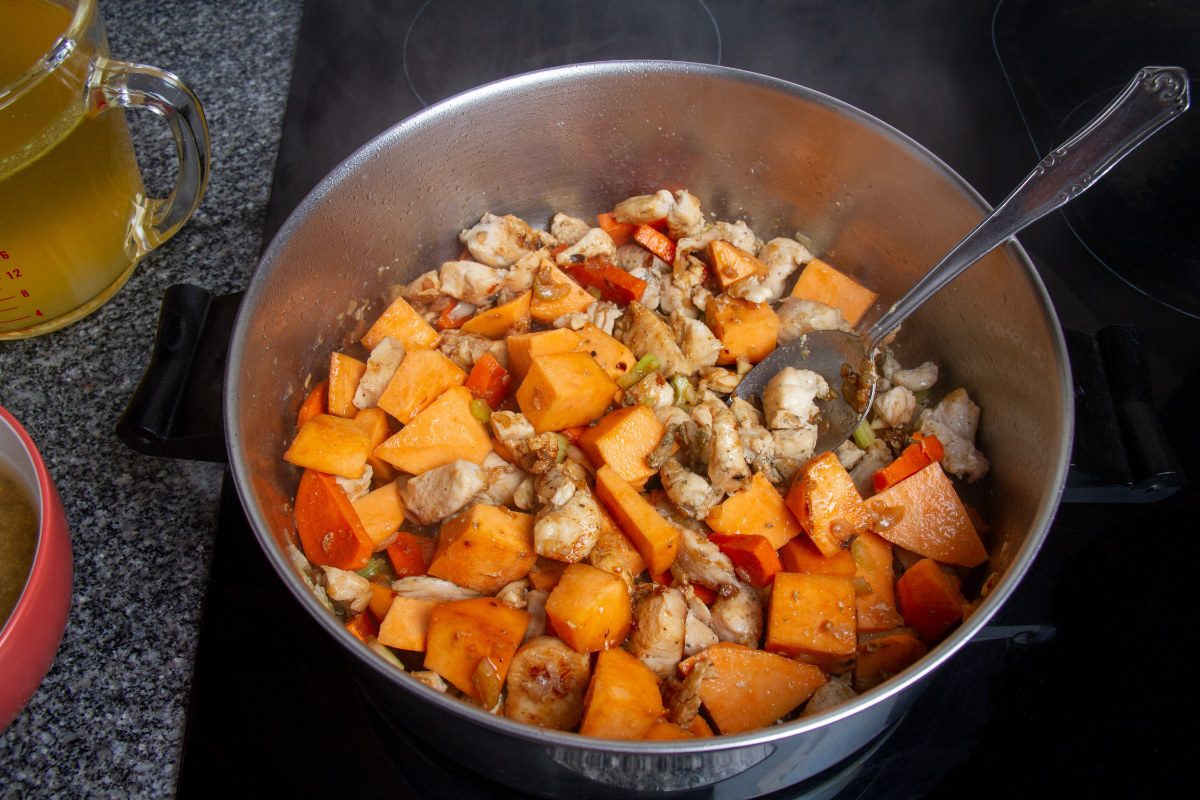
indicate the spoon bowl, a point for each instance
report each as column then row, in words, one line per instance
column 1154, row 97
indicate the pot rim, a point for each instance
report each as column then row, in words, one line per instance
column 462, row 102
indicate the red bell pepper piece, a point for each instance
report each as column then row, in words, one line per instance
column 615, row 284
column 488, row 380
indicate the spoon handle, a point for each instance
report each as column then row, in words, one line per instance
column 1154, row 97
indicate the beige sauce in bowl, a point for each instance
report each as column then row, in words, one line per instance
column 18, row 540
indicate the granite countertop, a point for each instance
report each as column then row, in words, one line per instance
column 109, row 718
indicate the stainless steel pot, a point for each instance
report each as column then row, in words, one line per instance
column 577, row 139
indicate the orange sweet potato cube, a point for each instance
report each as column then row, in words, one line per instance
column 881, row 658
column 812, row 618
column 375, row 420
column 495, row 323
column 622, row 439
column 801, row 555
column 759, row 509
column 874, row 584
column 821, row 282
column 555, row 294
column 654, row 537
column 406, row 624
column 446, row 430
column 344, row 374
column 925, row 515
column 315, row 402
column 827, row 504
column 590, row 609
column 401, row 322
column 523, row 348
column 381, row 512
column 327, row 443
column 745, row 689
column 420, row 379
column 622, row 700
column 564, row 390
column 609, row 352
column 484, row 548
column 745, row 329
column 464, row 635
column 930, row 600
column 731, row 263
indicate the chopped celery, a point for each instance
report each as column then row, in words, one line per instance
column 864, row 436
column 562, row 448
column 378, row 565
column 645, row 365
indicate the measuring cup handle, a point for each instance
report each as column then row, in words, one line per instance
column 125, row 85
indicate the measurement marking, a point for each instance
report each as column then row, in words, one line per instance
column 14, row 319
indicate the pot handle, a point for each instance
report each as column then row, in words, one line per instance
column 175, row 412
column 1121, row 452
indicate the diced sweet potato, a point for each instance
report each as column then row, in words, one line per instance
column 379, row 428
column 401, row 322
column 662, row 730
column 523, row 348
column 874, row 583
column 445, row 431
column 745, row 329
column 622, row 439
column 821, row 282
column 331, row 444
column 381, row 600
column 812, row 618
column 545, row 573
column 881, row 658
column 923, row 513
column 495, row 323
column 315, row 402
column 344, row 374
column 752, row 555
column 381, row 513
column 801, row 555
column 745, row 689
column 556, row 294
column 420, row 379
column 590, row 609
column 329, row 530
column 484, row 548
column 826, row 503
column 622, row 700
column 564, row 390
column 654, row 537
column 406, row 625
column 609, row 352
column 463, row 633
column 614, row 552
column 930, row 600
column 731, row 263
column 757, row 509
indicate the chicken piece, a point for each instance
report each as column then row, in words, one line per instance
column 659, row 620
column 535, row 607
column 471, row 282
column 502, row 480
column 513, row 594
column 425, row 288
column 568, row 532
column 567, row 229
column 696, row 341
column 652, row 391
column 643, row 331
column 596, row 242
column 955, row 421
column 700, row 561
column 382, row 363
column 519, row 278
column 643, row 209
column 501, row 241
column 602, row 314
column 917, row 379
column 535, row 452
column 737, row 614
column 895, row 407
column 547, row 682
column 737, row 234
column 727, row 468
column 834, row 692
column 849, row 454
column 348, row 588
column 697, row 631
column 719, row 379
column 442, row 491
column 752, row 289
column 758, row 445
column 357, row 488
column 681, row 696
column 673, row 299
column 427, row 587
column 464, row 349
column 782, row 257
column 432, row 680
column 654, row 279
column 615, row 554
column 685, row 218
column 793, row 446
column 789, row 399
column 555, row 486
column 798, row 316
column 690, row 493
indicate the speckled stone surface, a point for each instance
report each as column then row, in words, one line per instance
column 108, row 720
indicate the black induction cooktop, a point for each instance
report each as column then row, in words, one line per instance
column 1072, row 688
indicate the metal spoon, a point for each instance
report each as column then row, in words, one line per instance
column 1154, row 97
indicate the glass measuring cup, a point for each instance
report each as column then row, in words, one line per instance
column 74, row 218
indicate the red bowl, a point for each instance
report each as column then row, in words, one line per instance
column 30, row 637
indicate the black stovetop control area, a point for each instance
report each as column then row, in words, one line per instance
column 1073, row 687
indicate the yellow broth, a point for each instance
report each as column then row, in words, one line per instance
column 18, row 541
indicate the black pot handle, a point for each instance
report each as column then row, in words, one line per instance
column 176, row 410
column 1121, row 453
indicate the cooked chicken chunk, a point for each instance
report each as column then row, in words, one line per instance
column 547, row 681
column 567, row 229
column 644, row 208
column 464, row 349
column 596, row 242
column 737, row 614
column 719, row 379
column 427, row 587
column 681, row 696
column 798, row 317
column 793, row 446
column 782, row 257
column 644, row 332
column 382, row 363
column 442, row 491
column 513, row 594
column 535, row 607
column 520, row 276
column 685, row 217
column 348, row 588
column 501, row 241
column 659, row 622
column 602, row 314
column 690, row 493
column 502, row 480
column 568, row 532
column 916, row 379
column 737, row 234
column 875, row 458
column 834, row 692
column 471, row 282
column 357, row 488
column 955, row 421
column 758, row 445
column 700, row 561
column 789, row 399
column 727, row 468
column 696, row 341
column 895, row 407
column 697, row 633
column 535, row 452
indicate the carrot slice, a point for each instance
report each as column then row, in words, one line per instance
column 655, row 242
column 751, row 554
column 916, row 457
column 620, row 232
column 330, row 532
